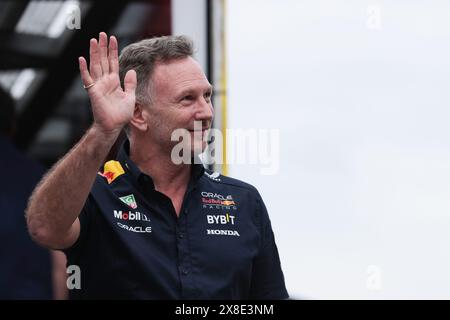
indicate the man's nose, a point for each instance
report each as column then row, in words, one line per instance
column 205, row 111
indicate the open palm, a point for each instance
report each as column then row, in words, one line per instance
column 112, row 106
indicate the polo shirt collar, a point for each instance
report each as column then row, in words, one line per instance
column 138, row 176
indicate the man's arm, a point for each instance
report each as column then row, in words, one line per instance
column 53, row 209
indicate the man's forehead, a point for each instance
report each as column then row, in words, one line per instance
column 179, row 74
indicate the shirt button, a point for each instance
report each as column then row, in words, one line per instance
column 180, row 235
column 184, row 272
column 186, row 211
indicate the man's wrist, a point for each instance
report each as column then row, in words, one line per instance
column 100, row 141
column 107, row 136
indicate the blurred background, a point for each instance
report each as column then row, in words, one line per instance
column 355, row 90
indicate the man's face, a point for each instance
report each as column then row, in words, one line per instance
column 181, row 96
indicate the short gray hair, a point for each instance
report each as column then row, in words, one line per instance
column 142, row 56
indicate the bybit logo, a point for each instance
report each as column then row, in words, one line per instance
column 220, row 219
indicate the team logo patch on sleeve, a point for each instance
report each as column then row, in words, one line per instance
column 112, row 170
column 129, row 200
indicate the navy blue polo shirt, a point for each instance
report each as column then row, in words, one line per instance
column 132, row 245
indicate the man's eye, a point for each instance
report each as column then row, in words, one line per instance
column 188, row 98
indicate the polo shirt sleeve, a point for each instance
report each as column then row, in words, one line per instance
column 267, row 277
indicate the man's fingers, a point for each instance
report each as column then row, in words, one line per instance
column 113, row 55
column 130, row 81
column 94, row 60
column 103, row 50
column 84, row 72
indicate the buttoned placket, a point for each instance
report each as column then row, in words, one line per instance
column 188, row 289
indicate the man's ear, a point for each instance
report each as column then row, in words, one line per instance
column 139, row 118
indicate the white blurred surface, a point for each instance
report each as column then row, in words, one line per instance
column 360, row 93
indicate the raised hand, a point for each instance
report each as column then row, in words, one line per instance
column 112, row 106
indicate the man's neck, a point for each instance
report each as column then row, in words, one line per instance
column 167, row 176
